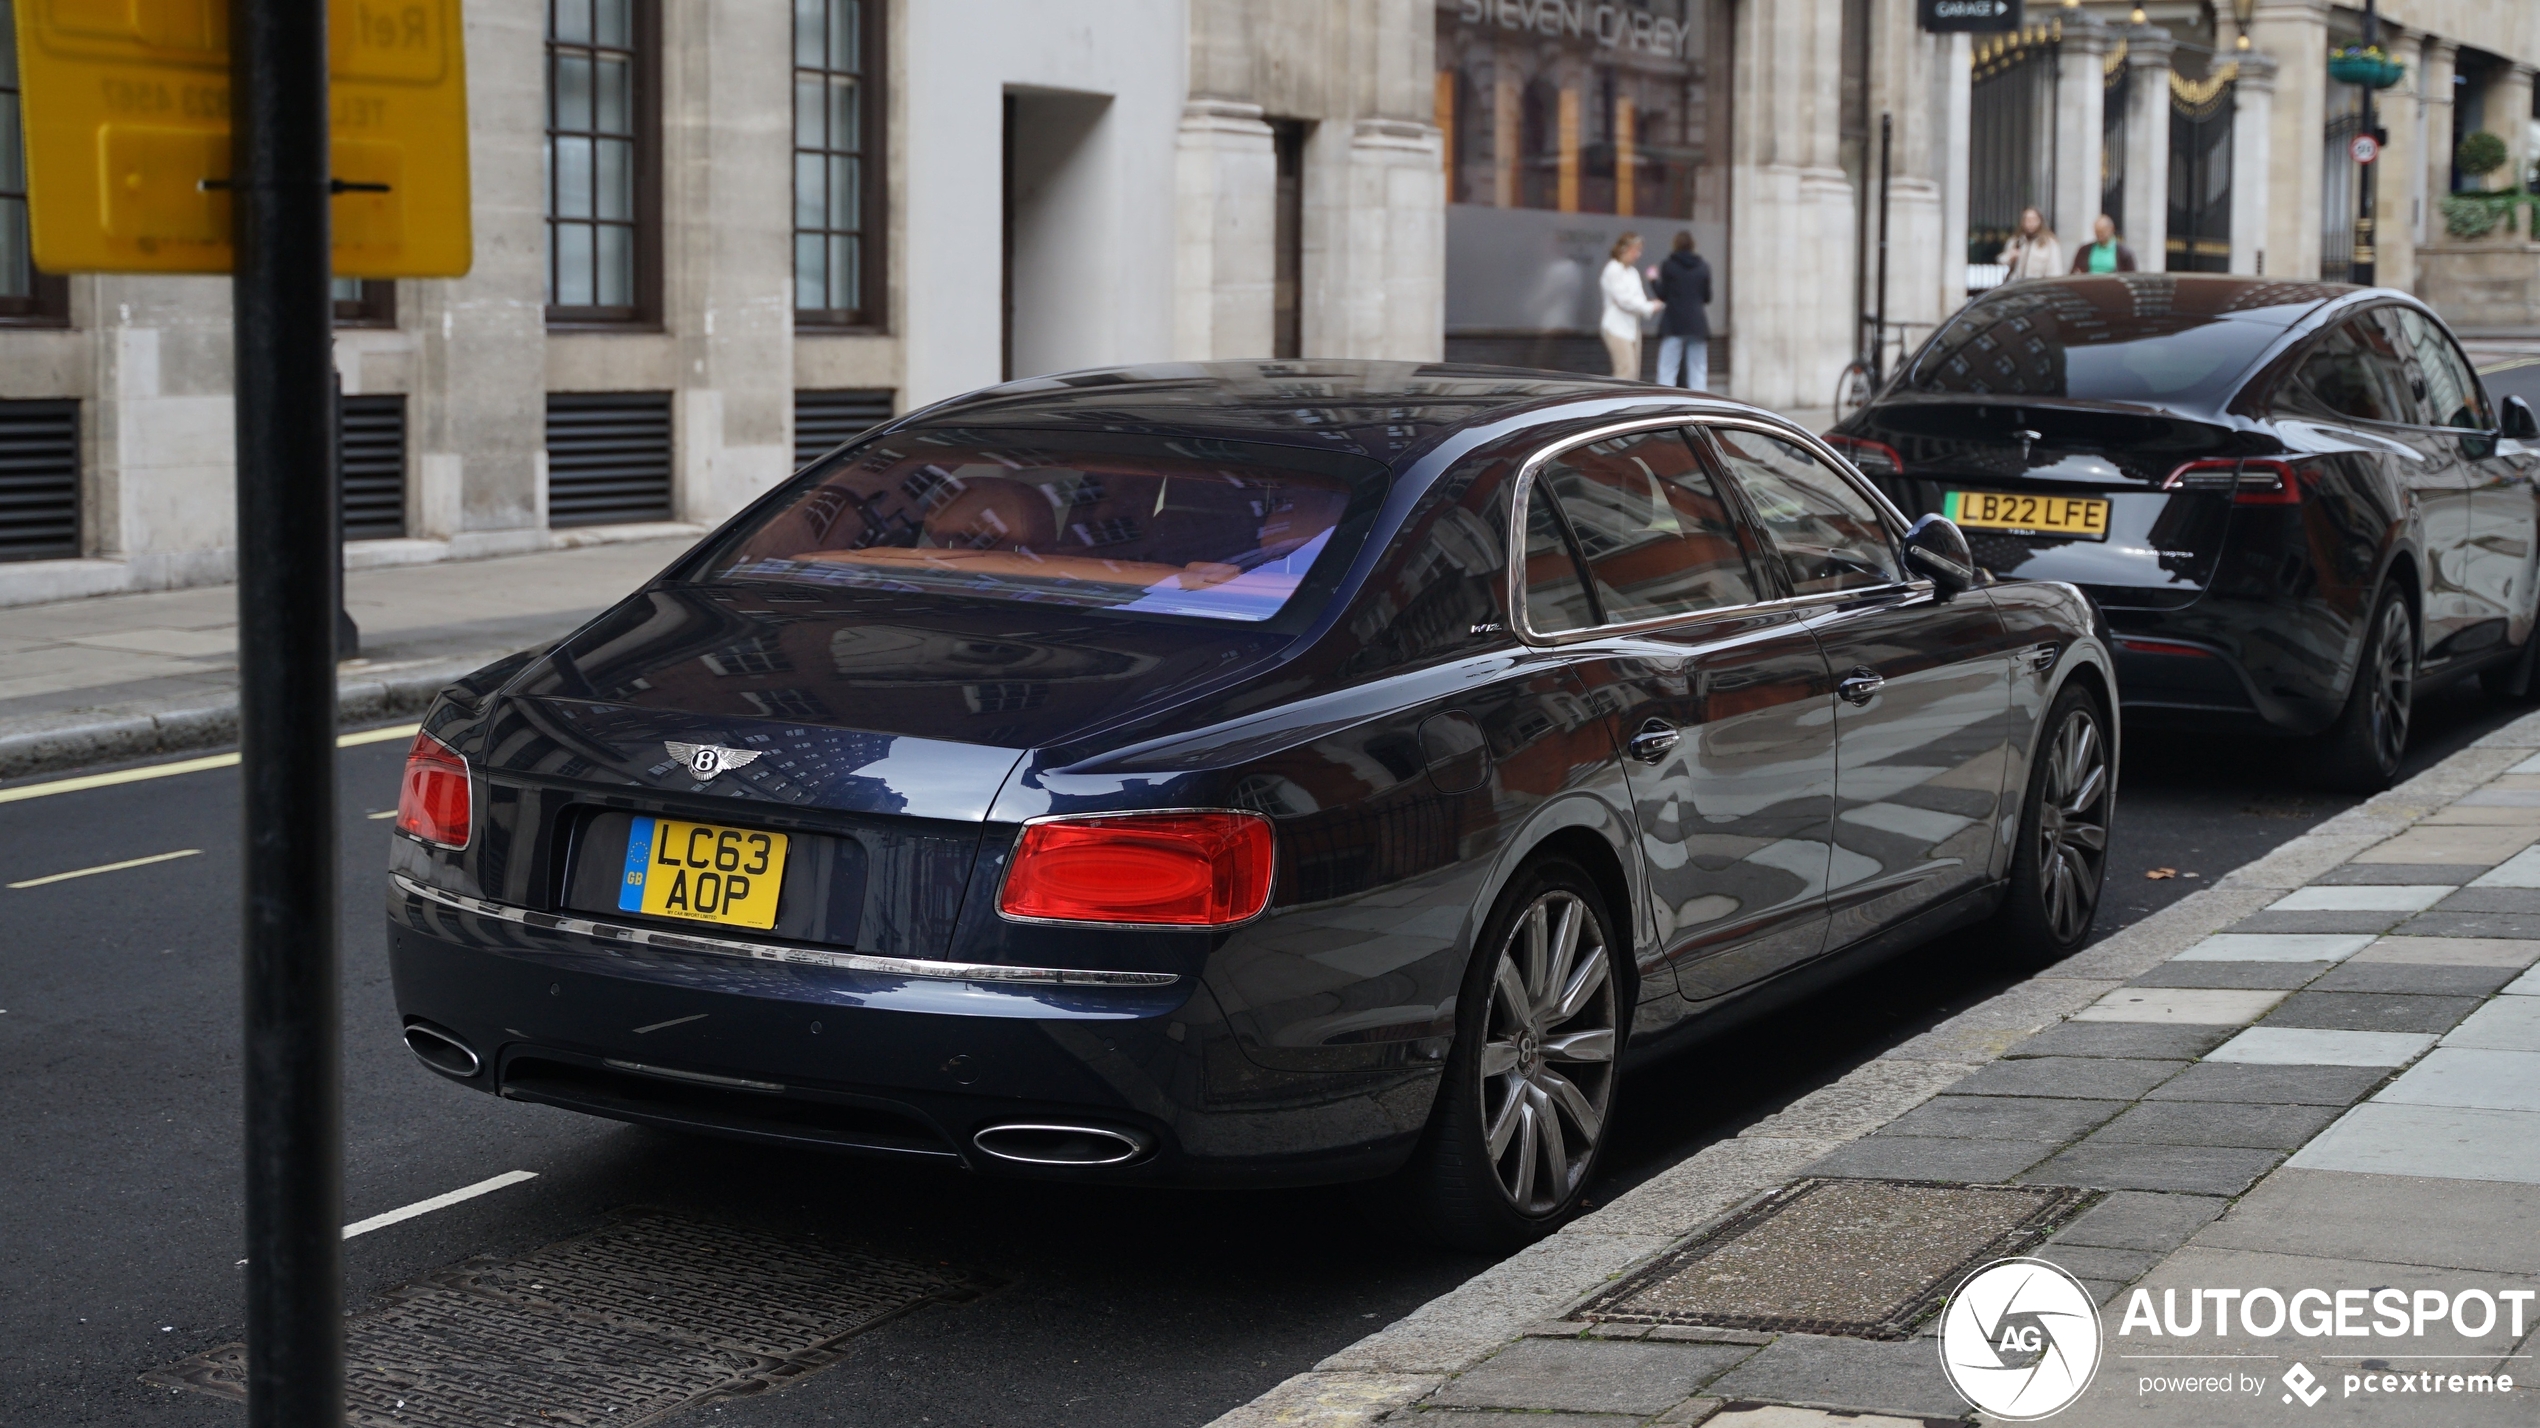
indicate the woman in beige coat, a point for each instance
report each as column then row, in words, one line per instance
column 2033, row 252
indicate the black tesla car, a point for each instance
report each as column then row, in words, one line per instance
column 1271, row 772
column 2294, row 501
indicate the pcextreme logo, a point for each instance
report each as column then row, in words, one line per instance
column 2020, row 1339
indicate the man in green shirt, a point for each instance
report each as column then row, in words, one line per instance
column 2104, row 254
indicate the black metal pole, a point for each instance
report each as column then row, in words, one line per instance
column 287, row 605
column 1878, row 323
column 2367, row 255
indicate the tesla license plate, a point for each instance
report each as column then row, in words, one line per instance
column 703, row 871
column 2075, row 517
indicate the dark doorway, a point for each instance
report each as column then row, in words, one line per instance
column 1287, row 259
column 2200, row 176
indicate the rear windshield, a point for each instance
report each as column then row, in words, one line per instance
column 1221, row 530
column 2108, row 339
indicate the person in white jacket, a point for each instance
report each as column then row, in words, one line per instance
column 1627, row 304
column 2033, row 251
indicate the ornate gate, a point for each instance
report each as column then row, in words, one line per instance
column 2200, row 171
column 2010, row 135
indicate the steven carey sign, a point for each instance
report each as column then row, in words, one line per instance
column 1947, row 15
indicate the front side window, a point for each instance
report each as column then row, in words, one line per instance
column 2453, row 397
column 1225, row 530
column 1657, row 539
column 835, row 189
column 599, row 142
column 1826, row 534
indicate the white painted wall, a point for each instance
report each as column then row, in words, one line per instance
column 1099, row 251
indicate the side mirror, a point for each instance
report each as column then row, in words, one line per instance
column 2515, row 417
column 1936, row 548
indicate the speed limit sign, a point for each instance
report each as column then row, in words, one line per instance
column 2365, row 149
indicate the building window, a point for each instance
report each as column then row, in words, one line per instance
column 602, row 216
column 364, row 302
column 837, row 168
column 27, row 297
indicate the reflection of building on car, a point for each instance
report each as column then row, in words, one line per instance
column 2293, row 500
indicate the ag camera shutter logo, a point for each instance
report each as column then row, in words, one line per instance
column 2020, row 1339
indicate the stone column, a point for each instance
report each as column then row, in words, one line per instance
column 1226, row 174
column 1952, row 95
column 1790, row 206
column 2398, row 207
column 727, row 252
column 2509, row 115
column 477, row 416
column 2295, row 32
column 2147, row 141
column 1375, row 242
column 2252, row 142
column 2080, row 114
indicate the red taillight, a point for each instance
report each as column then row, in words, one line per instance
column 1208, row 869
column 1875, row 458
column 433, row 800
column 2253, row 481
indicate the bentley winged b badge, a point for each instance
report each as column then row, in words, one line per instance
column 707, row 760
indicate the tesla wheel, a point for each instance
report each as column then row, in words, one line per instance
column 2360, row 753
column 2062, row 856
column 1529, row 1087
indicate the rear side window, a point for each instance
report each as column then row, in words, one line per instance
column 1657, row 538
column 2354, row 371
column 1556, row 598
column 1224, row 530
column 2453, row 396
column 1826, row 534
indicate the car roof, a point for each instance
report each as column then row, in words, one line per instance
column 1386, row 410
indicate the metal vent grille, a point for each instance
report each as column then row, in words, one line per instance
column 39, row 480
column 372, row 463
column 824, row 419
column 608, row 457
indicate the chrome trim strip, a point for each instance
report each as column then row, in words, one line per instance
column 772, row 952
column 1517, row 517
column 735, row 1083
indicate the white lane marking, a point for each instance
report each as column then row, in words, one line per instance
column 108, row 868
column 385, row 813
column 675, row 1021
column 184, row 766
column 438, row 1202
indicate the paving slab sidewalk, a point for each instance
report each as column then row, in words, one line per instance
column 123, row 676
column 2255, row 1100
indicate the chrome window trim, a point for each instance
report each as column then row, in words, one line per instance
column 775, row 952
column 1520, row 510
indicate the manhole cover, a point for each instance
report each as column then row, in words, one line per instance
column 1865, row 1258
column 620, row 1326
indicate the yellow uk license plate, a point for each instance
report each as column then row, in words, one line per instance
column 703, row 871
column 2079, row 517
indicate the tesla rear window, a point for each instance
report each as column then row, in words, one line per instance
column 1224, row 530
column 2119, row 340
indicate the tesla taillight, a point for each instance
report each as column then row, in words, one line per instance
column 1875, row 458
column 1194, row 869
column 2251, row 481
column 433, row 802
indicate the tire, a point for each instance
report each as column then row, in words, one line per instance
column 1539, row 1080
column 2362, row 751
column 2061, row 860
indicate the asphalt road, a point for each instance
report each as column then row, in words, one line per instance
column 119, row 1242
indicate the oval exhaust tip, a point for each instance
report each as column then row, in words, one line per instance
column 1046, row 1144
column 441, row 1051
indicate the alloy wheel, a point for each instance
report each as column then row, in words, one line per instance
column 2393, row 675
column 2072, row 825
column 1547, row 1062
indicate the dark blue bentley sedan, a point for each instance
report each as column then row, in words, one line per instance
column 1265, row 772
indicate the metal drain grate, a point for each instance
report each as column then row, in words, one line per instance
column 1864, row 1258
column 620, row 1326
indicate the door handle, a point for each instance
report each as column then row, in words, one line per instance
column 1861, row 685
column 1653, row 741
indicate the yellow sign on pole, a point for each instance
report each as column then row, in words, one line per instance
column 126, row 106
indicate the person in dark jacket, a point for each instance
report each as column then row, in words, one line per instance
column 2104, row 254
column 1684, row 331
